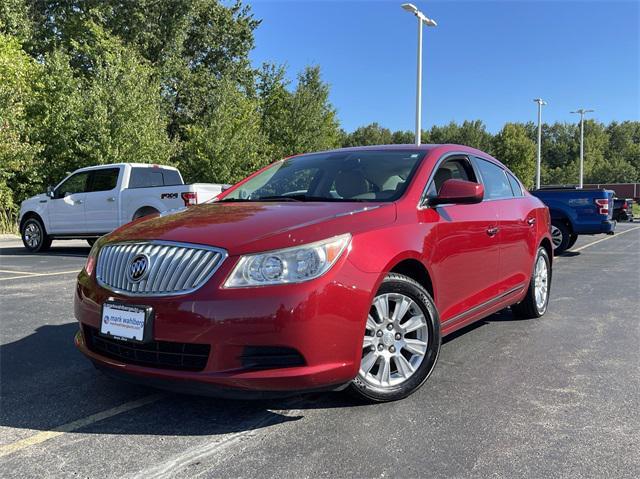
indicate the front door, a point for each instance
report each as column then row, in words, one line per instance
column 66, row 209
column 466, row 257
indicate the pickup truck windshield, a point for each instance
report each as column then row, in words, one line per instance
column 369, row 175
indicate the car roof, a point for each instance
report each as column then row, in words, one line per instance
column 404, row 146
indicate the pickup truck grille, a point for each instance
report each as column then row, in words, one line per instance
column 156, row 268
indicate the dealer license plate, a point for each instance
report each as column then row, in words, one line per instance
column 123, row 321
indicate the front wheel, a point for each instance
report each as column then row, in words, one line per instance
column 34, row 236
column 536, row 301
column 401, row 341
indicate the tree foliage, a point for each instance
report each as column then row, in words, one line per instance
column 86, row 82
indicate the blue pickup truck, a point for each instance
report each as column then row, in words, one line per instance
column 577, row 212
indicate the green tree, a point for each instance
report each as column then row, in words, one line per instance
column 229, row 143
column 514, row 148
column 18, row 149
column 402, row 137
column 470, row 133
column 115, row 116
column 372, row 134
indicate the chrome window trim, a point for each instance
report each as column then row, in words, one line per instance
column 222, row 252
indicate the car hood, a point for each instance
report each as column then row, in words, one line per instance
column 243, row 228
column 36, row 198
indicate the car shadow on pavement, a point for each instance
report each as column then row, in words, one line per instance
column 54, row 251
column 45, row 383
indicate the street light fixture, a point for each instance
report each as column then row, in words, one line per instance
column 581, row 112
column 540, row 103
column 422, row 18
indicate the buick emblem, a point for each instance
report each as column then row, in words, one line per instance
column 138, row 268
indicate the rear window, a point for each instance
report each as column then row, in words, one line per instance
column 149, row 177
column 495, row 180
column 515, row 185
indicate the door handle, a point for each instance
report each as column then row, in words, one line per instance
column 493, row 231
column 113, row 198
column 531, row 221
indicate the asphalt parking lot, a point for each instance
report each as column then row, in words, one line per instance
column 554, row 397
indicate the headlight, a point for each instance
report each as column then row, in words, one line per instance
column 290, row 265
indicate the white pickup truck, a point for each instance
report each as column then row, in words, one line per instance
column 93, row 201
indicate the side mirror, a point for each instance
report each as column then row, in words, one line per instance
column 459, row 192
column 50, row 192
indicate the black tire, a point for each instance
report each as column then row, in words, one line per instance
column 145, row 211
column 528, row 307
column 34, row 236
column 564, row 237
column 572, row 240
column 397, row 283
column 91, row 241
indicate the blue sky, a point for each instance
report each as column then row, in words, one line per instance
column 485, row 60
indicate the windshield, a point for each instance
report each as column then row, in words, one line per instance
column 381, row 175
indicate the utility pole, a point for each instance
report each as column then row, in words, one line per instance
column 540, row 103
column 422, row 18
column 581, row 112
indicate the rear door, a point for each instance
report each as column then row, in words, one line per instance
column 466, row 256
column 102, row 200
column 517, row 228
column 66, row 209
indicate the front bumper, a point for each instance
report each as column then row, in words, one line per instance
column 323, row 320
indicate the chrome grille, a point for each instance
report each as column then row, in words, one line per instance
column 173, row 268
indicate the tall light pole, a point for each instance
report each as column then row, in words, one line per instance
column 540, row 103
column 581, row 112
column 422, row 18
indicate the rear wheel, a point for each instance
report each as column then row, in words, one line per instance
column 560, row 236
column 401, row 341
column 144, row 211
column 34, row 236
column 536, row 301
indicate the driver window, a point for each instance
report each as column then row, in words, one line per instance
column 454, row 169
column 74, row 184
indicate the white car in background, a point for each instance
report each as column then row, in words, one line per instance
column 93, row 201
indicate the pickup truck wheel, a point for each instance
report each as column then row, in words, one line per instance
column 145, row 211
column 536, row 301
column 401, row 341
column 34, row 236
column 560, row 236
column 572, row 240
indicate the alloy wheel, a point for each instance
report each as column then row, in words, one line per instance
column 32, row 234
column 395, row 341
column 541, row 283
column 556, row 236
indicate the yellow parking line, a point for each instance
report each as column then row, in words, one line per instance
column 34, row 275
column 16, row 272
column 604, row 239
column 75, row 425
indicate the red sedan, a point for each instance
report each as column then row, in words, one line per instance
column 323, row 271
